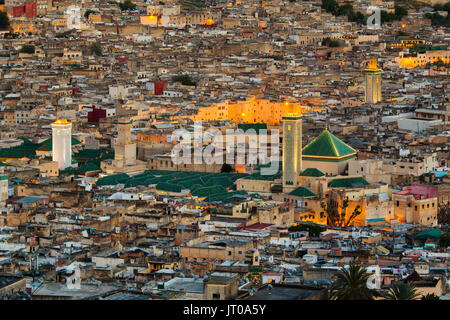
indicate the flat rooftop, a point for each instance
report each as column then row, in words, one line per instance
column 127, row 296
column 283, row 292
column 87, row 291
column 184, row 284
column 6, row 280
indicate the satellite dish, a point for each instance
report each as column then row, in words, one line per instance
column 74, row 281
column 374, row 281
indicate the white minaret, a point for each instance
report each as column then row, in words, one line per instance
column 62, row 143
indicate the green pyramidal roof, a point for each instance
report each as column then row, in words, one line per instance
column 47, row 145
column 302, row 192
column 327, row 145
column 312, row 172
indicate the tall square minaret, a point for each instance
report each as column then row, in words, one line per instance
column 62, row 143
column 124, row 149
column 292, row 150
column 372, row 78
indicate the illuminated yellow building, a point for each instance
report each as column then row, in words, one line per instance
column 250, row 111
column 406, row 43
column 421, row 59
column 372, row 76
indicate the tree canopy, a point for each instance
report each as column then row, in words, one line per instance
column 351, row 284
column 4, row 20
column 127, row 5
column 185, row 80
column 28, row 48
column 402, row 291
column 332, row 6
column 96, row 49
column 338, row 216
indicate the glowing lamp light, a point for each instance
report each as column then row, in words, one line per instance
column 403, row 25
column 243, row 114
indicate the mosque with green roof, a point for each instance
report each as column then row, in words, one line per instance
column 324, row 155
column 328, row 154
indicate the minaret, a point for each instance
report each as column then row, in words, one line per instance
column 124, row 149
column 292, row 150
column 372, row 77
column 62, row 142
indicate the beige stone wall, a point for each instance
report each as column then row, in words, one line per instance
column 225, row 291
column 330, row 168
column 50, row 169
column 409, row 210
column 254, row 185
column 228, row 253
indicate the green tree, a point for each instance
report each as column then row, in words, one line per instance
column 345, row 10
column 127, row 5
column 226, row 168
column 340, row 219
column 96, row 48
column 330, row 6
column 88, row 13
column 400, row 12
column 402, row 291
column 444, row 241
column 28, row 48
column 4, row 20
column 185, row 80
column 330, row 43
column 313, row 230
column 351, row 284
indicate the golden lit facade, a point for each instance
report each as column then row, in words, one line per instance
column 406, row 43
column 422, row 59
column 250, row 111
column 372, row 77
column 292, row 150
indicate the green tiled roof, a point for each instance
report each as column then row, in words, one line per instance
column 208, row 191
column 89, row 154
column 163, row 186
column 27, row 149
column 68, row 171
column 47, row 145
column 327, row 145
column 113, row 179
column 225, row 197
column 312, row 172
column 255, row 126
column 432, row 233
column 302, row 192
column 89, row 166
column 357, row 182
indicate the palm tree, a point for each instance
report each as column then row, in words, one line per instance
column 351, row 284
column 402, row 291
column 430, row 296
